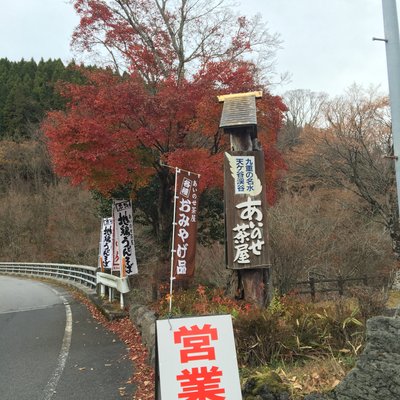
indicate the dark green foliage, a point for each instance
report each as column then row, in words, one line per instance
column 145, row 201
column 103, row 204
column 265, row 386
column 27, row 91
column 211, row 216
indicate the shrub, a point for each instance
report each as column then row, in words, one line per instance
column 200, row 301
column 371, row 301
column 297, row 330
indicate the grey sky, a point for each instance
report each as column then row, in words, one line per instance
column 36, row 28
column 327, row 44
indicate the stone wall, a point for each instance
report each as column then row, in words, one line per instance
column 145, row 321
column 376, row 375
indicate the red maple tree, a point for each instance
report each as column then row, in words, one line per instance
column 157, row 104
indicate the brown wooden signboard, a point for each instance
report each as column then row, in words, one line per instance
column 185, row 232
column 245, row 210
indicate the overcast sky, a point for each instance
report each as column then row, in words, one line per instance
column 327, row 44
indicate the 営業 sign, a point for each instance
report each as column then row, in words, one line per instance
column 197, row 359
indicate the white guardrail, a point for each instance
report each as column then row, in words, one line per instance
column 113, row 282
column 82, row 274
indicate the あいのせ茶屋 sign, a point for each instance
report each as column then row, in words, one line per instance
column 197, row 359
column 245, row 211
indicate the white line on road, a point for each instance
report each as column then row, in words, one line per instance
column 26, row 309
column 50, row 388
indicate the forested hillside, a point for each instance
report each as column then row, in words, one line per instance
column 27, row 91
column 42, row 218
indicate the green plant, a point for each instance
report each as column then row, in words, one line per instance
column 292, row 329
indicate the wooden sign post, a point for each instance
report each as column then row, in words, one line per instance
column 246, row 232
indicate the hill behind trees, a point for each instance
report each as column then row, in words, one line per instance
column 43, row 218
column 28, row 91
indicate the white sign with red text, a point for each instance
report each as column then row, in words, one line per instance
column 197, row 359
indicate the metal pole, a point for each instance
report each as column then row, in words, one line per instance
column 121, row 300
column 171, row 279
column 391, row 28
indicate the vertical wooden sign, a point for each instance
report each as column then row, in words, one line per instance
column 245, row 210
column 185, row 222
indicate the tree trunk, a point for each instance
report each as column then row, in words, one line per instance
column 164, row 208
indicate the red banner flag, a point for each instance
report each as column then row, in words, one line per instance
column 185, row 224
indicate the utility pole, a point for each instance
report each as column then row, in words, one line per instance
column 391, row 28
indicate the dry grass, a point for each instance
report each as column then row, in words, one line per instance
column 316, row 375
column 394, row 299
column 58, row 224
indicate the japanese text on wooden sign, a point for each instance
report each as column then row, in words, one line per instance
column 185, row 232
column 246, row 232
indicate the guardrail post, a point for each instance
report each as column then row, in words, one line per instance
column 110, row 294
column 121, row 300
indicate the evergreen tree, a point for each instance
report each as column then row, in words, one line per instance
column 28, row 91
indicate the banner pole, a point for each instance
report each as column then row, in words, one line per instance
column 113, row 236
column 123, row 268
column 171, row 279
column 180, row 169
column 102, row 287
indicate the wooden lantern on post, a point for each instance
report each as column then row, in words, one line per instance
column 246, row 234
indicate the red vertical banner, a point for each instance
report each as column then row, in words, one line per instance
column 185, row 224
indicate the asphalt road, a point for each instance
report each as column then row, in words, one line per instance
column 52, row 348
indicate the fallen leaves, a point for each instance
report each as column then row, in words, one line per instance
column 127, row 333
column 317, row 375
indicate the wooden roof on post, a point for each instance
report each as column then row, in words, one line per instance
column 239, row 110
column 239, row 119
